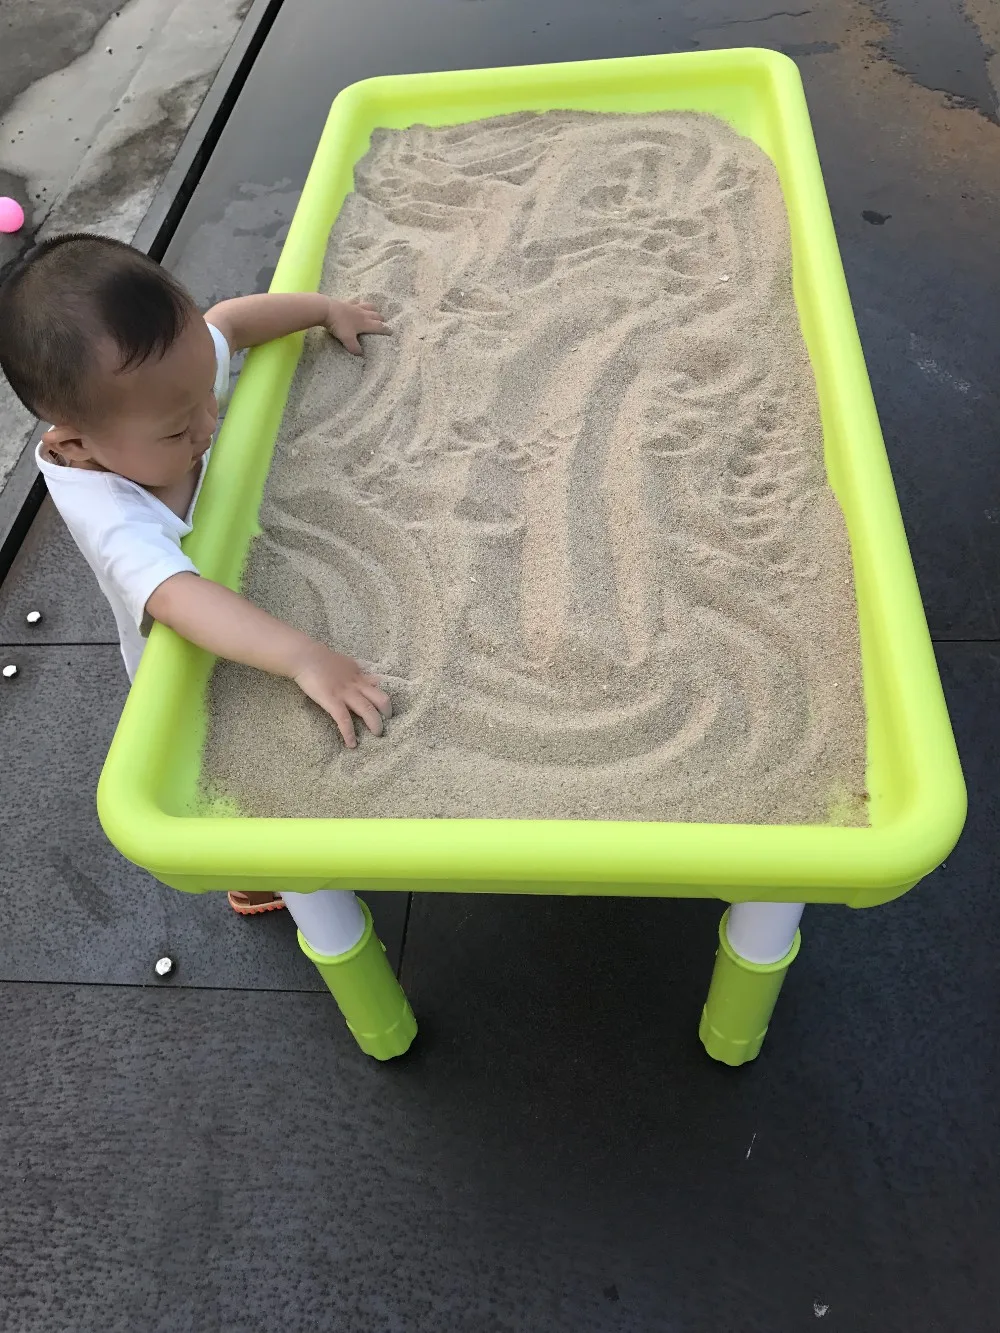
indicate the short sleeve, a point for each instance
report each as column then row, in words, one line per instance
column 136, row 555
column 222, row 358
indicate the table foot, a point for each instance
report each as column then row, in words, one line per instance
column 744, row 990
column 352, row 962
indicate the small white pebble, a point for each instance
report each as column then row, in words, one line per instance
column 819, row 1310
column 33, row 617
column 723, row 277
column 9, row 671
column 164, row 966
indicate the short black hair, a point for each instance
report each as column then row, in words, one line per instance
column 61, row 299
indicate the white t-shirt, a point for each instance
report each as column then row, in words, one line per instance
column 129, row 538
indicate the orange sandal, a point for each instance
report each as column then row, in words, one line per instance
column 245, row 908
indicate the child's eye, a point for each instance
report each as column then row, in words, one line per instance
column 179, row 436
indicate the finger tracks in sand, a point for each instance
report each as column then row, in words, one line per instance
column 575, row 509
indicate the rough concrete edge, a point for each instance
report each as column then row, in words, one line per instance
column 985, row 17
column 24, row 490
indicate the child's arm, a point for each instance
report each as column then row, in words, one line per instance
column 224, row 623
column 247, row 321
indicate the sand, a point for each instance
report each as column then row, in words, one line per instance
column 574, row 513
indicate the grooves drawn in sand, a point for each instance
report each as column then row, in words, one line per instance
column 575, row 510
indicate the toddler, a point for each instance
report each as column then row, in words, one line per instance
column 101, row 341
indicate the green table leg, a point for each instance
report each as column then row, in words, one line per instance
column 367, row 993
column 740, row 1001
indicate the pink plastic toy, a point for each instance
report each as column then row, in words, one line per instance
column 11, row 214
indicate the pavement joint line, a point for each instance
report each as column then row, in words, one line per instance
column 162, row 986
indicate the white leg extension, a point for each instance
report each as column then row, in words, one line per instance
column 331, row 920
column 763, row 932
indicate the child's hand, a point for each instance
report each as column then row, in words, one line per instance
column 340, row 687
column 223, row 622
column 349, row 318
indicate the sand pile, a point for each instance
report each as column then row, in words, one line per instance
column 574, row 512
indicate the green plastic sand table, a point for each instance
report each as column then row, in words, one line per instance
column 149, row 791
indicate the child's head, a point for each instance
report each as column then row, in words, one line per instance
column 98, row 339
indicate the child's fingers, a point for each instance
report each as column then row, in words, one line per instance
column 341, row 714
column 367, row 712
column 371, row 689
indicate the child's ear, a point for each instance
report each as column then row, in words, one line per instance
column 63, row 444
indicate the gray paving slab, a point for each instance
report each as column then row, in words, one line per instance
column 73, row 910
column 51, row 576
column 229, row 1162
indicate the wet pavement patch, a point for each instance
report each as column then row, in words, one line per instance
column 935, row 43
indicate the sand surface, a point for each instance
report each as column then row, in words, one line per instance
column 574, row 512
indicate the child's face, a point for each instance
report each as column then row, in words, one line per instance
column 157, row 420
